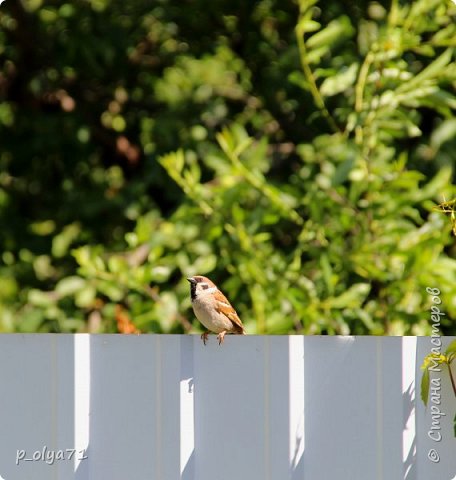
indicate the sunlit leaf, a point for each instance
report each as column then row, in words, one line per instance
column 340, row 82
column 425, row 382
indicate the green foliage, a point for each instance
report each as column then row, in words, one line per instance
column 433, row 363
column 293, row 155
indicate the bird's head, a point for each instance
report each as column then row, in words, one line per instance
column 200, row 285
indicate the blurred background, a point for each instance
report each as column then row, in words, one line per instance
column 292, row 151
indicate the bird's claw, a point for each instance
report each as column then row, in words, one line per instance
column 204, row 337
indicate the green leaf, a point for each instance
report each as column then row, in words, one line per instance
column 297, row 78
column 451, row 348
column 316, row 54
column 433, row 70
column 225, row 140
column 111, row 289
column 45, row 227
column 205, row 264
column 435, row 186
column 117, row 264
column 69, row 285
column 62, row 241
column 39, row 298
column 352, row 298
column 327, row 273
column 336, row 31
column 159, row 273
column 445, row 132
column 339, row 82
column 342, row 171
column 173, row 163
column 425, row 381
column 85, row 297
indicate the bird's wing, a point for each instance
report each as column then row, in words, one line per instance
column 223, row 306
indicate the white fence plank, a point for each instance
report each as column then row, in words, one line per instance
column 348, row 392
column 81, row 394
column 297, row 401
column 230, row 416
column 409, row 370
column 166, row 407
column 135, row 407
column 36, row 405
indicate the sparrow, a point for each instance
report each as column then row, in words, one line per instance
column 213, row 309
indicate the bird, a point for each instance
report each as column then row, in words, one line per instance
column 213, row 309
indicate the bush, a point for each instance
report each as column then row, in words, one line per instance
column 293, row 157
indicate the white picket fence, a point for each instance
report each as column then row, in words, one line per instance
column 164, row 407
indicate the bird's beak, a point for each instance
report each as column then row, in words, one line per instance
column 191, row 280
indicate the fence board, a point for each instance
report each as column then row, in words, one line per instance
column 165, row 407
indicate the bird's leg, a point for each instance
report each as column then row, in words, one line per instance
column 220, row 337
column 204, row 337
